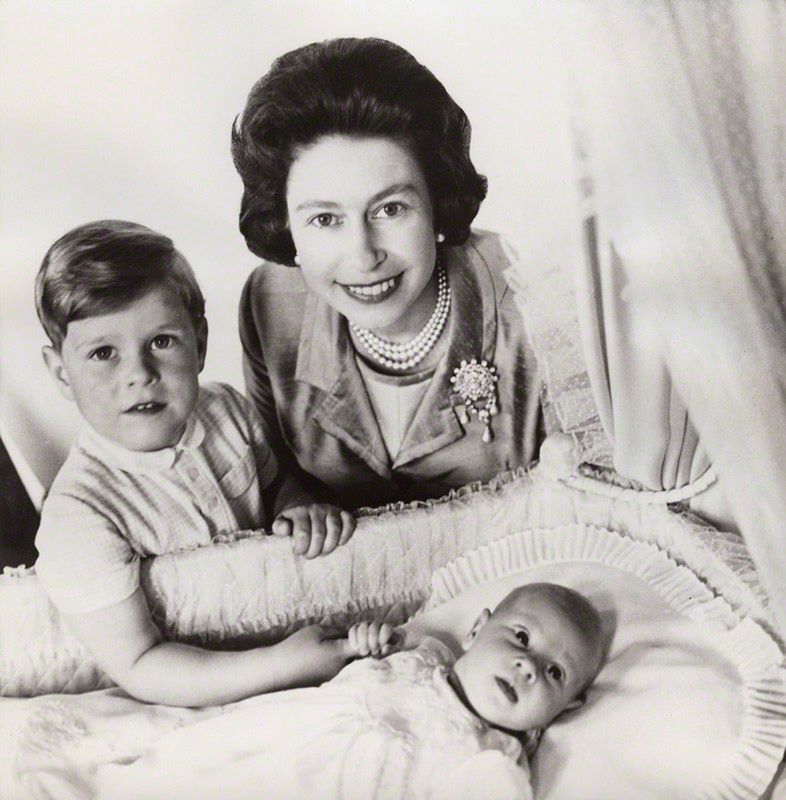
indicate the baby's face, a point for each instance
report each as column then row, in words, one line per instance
column 134, row 372
column 528, row 661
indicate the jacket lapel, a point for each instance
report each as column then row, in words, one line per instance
column 326, row 360
column 472, row 334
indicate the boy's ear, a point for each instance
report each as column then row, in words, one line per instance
column 200, row 329
column 54, row 363
column 482, row 619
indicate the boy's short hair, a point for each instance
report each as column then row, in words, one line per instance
column 103, row 266
column 352, row 87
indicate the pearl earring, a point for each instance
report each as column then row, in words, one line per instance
column 440, row 238
column 296, row 259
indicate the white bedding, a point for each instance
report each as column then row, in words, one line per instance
column 55, row 746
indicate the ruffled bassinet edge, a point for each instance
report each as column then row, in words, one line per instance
column 744, row 643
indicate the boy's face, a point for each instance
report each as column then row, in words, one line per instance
column 134, row 372
column 526, row 662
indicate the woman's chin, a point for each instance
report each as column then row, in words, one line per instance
column 383, row 318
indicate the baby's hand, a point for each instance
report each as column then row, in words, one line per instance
column 317, row 528
column 373, row 639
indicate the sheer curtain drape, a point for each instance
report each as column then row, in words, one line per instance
column 677, row 248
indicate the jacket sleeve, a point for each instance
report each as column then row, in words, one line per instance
column 259, row 388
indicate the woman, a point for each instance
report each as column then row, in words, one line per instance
column 392, row 363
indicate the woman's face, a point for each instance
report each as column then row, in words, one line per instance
column 363, row 226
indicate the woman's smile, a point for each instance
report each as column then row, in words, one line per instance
column 373, row 292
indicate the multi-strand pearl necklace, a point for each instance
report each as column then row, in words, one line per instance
column 404, row 356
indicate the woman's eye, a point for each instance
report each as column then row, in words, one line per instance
column 523, row 638
column 324, row 220
column 391, row 209
column 555, row 672
column 102, row 353
column 162, row 341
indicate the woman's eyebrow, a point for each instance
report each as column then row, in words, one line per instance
column 395, row 188
column 316, row 204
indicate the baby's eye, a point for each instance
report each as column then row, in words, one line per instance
column 523, row 638
column 162, row 341
column 392, row 209
column 103, row 353
column 323, row 220
column 555, row 672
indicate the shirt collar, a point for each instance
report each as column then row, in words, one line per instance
column 142, row 461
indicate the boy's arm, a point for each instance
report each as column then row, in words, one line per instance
column 91, row 573
column 128, row 647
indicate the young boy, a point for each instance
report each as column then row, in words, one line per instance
column 162, row 465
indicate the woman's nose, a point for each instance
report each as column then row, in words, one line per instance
column 364, row 252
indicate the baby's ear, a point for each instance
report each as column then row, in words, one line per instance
column 54, row 363
column 576, row 702
column 482, row 619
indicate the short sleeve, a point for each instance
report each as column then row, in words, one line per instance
column 84, row 563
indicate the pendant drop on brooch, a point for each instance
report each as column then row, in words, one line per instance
column 476, row 384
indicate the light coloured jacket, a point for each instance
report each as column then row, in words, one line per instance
column 301, row 374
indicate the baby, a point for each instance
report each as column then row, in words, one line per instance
column 416, row 724
column 162, row 465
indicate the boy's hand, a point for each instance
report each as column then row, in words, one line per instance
column 373, row 639
column 316, row 528
column 319, row 652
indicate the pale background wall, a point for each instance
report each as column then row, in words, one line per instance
column 124, row 110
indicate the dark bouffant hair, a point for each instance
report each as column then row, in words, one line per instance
column 102, row 267
column 356, row 87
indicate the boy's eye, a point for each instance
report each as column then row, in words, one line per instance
column 523, row 638
column 392, row 209
column 103, row 353
column 555, row 672
column 323, row 220
column 162, row 341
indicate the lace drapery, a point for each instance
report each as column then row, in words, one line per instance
column 675, row 238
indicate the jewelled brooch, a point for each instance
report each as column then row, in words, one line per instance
column 476, row 384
